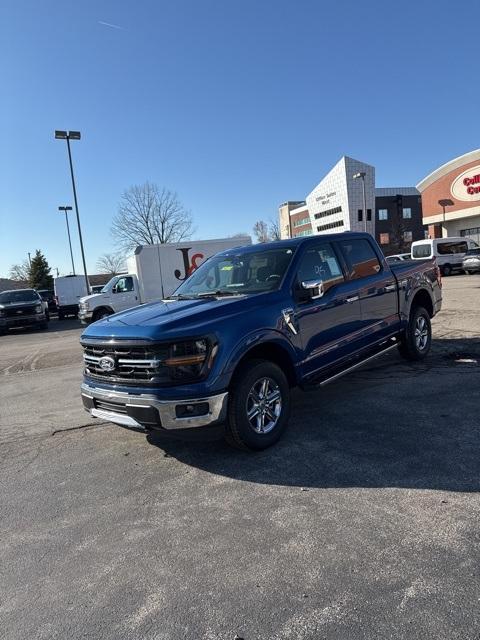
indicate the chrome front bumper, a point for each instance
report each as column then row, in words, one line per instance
column 143, row 411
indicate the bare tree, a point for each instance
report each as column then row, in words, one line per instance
column 112, row 263
column 150, row 215
column 20, row 271
column 260, row 231
column 274, row 230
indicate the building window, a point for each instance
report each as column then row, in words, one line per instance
column 407, row 212
column 329, row 212
column 384, row 238
column 383, row 214
column 299, row 223
column 330, row 225
column 369, row 214
column 360, row 215
column 407, row 236
column 305, row 232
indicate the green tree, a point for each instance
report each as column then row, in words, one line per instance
column 39, row 276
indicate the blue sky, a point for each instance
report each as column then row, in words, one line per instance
column 236, row 105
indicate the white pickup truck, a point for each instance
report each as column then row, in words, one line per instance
column 154, row 272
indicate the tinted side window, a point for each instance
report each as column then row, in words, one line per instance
column 319, row 262
column 445, row 248
column 125, row 284
column 360, row 257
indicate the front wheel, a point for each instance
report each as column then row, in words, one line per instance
column 101, row 314
column 259, row 406
column 417, row 339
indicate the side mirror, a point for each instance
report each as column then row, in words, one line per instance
column 314, row 288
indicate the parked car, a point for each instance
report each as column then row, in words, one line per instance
column 249, row 324
column 68, row 292
column 48, row 296
column 449, row 252
column 96, row 288
column 471, row 261
column 22, row 308
column 398, row 257
column 154, row 272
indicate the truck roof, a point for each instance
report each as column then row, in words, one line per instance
column 295, row 242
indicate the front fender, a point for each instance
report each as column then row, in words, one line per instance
column 254, row 340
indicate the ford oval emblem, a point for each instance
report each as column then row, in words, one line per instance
column 106, row 363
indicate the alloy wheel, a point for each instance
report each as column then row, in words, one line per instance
column 421, row 333
column 264, row 405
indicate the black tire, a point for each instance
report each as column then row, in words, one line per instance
column 99, row 314
column 239, row 431
column 417, row 339
column 61, row 315
column 446, row 270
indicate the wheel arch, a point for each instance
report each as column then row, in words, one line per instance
column 104, row 307
column 422, row 298
column 270, row 351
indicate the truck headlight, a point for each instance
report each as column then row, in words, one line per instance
column 189, row 360
column 84, row 306
column 38, row 308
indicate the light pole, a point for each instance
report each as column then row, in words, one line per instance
column 356, row 176
column 66, row 209
column 29, row 260
column 444, row 203
column 74, row 135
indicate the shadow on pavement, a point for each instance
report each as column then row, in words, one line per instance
column 394, row 424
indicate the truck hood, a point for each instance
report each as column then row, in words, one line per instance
column 174, row 318
column 93, row 297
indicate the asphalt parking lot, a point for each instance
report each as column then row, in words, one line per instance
column 362, row 523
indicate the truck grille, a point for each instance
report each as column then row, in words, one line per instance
column 131, row 363
column 17, row 312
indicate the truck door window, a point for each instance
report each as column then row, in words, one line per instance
column 124, row 285
column 319, row 262
column 360, row 257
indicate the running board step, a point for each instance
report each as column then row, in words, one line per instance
column 323, row 382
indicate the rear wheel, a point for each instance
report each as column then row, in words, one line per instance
column 416, row 341
column 446, row 270
column 259, row 406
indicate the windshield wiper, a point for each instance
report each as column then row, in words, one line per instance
column 216, row 294
column 181, row 296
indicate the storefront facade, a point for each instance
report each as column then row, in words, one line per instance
column 451, row 198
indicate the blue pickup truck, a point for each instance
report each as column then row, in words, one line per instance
column 248, row 325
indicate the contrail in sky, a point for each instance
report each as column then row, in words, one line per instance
column 112, row 26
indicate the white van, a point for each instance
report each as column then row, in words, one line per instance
column 68, row 291
column 449, row 252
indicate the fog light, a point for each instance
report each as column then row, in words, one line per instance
column 191, row 410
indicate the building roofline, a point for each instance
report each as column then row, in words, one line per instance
column 471, row 156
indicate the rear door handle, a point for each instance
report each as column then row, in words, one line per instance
column 352, row 299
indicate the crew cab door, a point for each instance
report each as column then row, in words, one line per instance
column 377, row 288
column 124, row 293
column 326, row 324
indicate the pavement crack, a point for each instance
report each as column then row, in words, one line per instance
column 87, row 425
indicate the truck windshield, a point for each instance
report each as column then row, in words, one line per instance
column 24, row 295
column 238, row 273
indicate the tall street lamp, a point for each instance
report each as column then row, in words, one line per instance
column 356, row 176
column 74, row 135
column 444, row 203
column 66, row 209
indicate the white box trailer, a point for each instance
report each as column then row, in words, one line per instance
column 154, row 272
column 68, row 291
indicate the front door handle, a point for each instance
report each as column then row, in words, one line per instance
column 390, row 287
column 352, row 299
